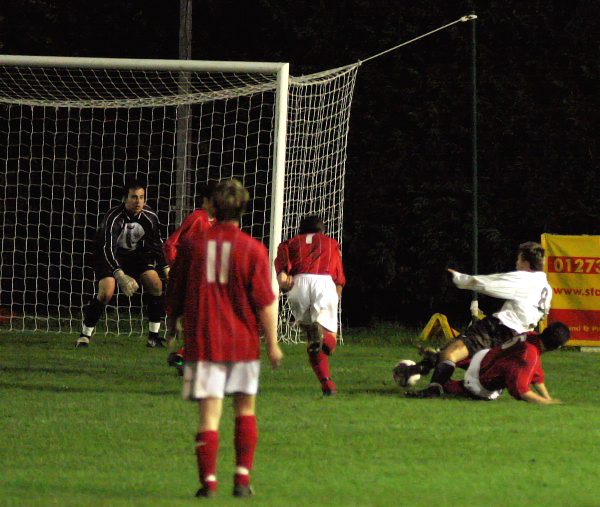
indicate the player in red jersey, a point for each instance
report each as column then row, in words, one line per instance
column 195, row 223
column 515, row 366
column 309, row 270
column 220, row 284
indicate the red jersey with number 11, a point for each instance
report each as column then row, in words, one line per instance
column 220, row 280
column 313, row 253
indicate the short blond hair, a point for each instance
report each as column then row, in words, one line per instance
column 229, row 199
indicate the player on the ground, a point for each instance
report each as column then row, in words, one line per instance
column 221, row 285
column 527, row 296
column 516, row 365
column 309, row 270
column 128, row 250
column 195, row 223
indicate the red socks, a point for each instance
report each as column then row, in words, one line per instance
column 329, row 343
column 245, row 440
column 207, row 445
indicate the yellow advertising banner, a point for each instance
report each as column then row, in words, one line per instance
column 573, row 270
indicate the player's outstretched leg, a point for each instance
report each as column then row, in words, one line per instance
column 404, row 371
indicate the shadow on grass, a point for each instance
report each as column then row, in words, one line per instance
column 58, row 389
column 42, row 369
column 379, row 391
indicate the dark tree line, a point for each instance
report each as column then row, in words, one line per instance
column 408, row 211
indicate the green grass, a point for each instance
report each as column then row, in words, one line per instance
column 106, row 427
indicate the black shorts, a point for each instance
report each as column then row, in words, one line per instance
column 486, row 333
column 133, row 264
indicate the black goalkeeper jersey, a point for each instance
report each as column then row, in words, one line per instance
column 121, row 234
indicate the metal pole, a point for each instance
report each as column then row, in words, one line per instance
column 183, row 159
column 474, row 304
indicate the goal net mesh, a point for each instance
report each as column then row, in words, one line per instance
column 70, row 138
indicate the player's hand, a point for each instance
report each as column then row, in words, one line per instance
column 285, row 281
column 127, row 284
column 275, row 356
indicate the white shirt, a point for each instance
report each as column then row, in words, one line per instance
column 527, row 295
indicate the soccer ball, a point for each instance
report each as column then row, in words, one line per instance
column 401, row 376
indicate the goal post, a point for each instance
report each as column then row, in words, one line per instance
column 73, row 129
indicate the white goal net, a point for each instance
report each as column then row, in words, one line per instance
column 73, row 130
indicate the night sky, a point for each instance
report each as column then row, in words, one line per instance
column 408, row 211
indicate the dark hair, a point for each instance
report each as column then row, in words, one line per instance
column 311, row 224
column 132, row 185
column 206, row 190
column 555, row 335
column 533, row 253
column 229, row 199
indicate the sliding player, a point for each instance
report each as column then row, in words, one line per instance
column 221, row 285
column 515, row 365
column 128, row 250
column 309, row 270
column 527, row 296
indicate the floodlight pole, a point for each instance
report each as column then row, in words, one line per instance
column 474, row 303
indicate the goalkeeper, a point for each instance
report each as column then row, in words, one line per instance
column 309, row 270
column 128, row 250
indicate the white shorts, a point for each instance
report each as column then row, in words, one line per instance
column 204, row 379
column 313, row 298
column 471, row 380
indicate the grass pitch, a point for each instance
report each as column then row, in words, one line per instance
column 105, row 426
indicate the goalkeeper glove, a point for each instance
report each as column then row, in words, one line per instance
column 127, row 284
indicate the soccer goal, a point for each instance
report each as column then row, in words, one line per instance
column 73, row 129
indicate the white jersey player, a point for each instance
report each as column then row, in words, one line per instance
column 528, row 296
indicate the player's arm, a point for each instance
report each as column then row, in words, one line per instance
column 532, row 397
column 499, row 285
column 282, row 268
column 171, row 244
column 110, row 229
column 541, row 389
column 176, row 291
column 155, row 242
column 339, row 278
column 268, row 319
column 285, row 281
